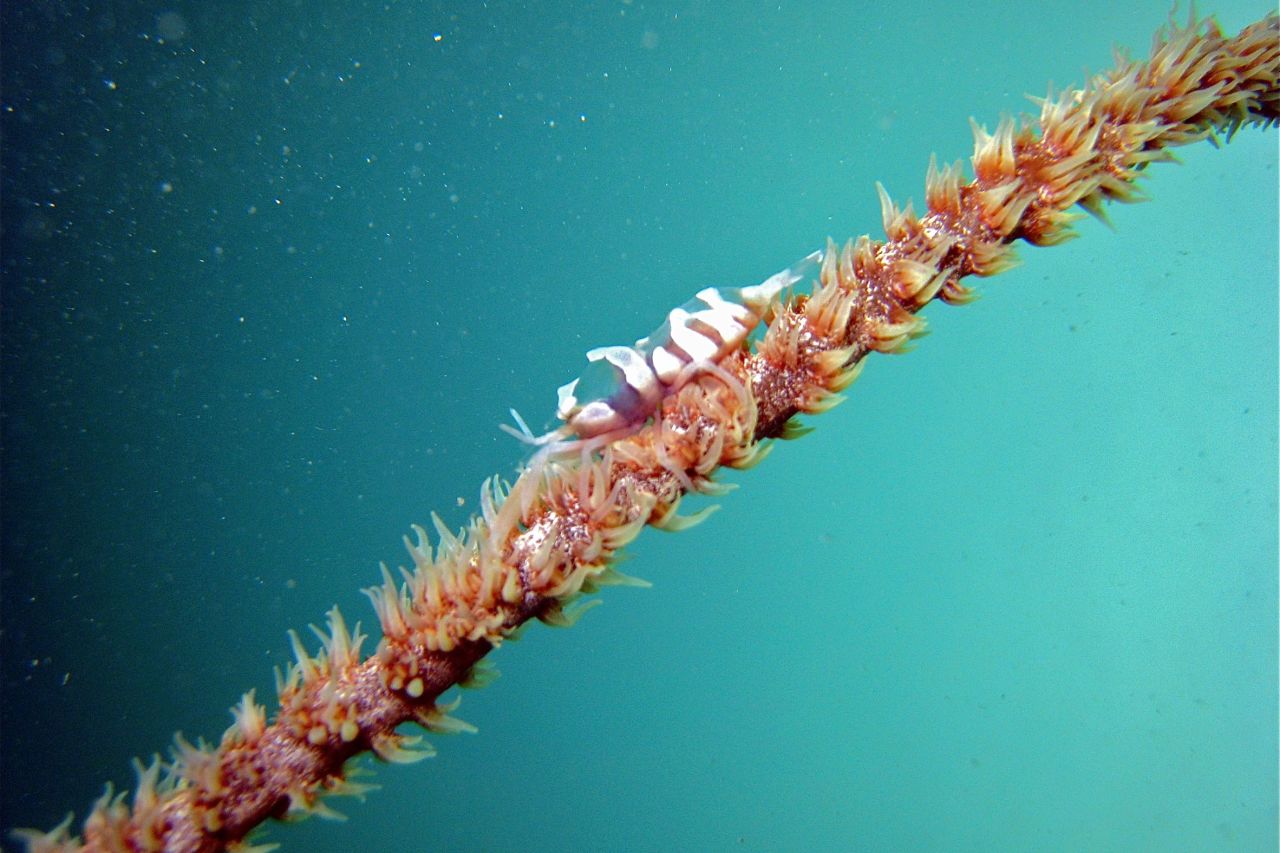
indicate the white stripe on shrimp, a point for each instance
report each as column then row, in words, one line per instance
column 622, row 386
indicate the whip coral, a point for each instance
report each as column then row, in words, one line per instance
column 544, row 542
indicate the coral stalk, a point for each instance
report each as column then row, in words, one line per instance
column 543, row 542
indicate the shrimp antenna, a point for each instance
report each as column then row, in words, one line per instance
column 523, row 434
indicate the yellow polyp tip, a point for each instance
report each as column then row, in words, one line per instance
column 415, row 688
column 673, row 522
column 826, row 404
column 553, row 617
column 439, row 722
column 248, row 847
column 1057, row 238
column 395, row 749
column 834, row 360
column 319, row 809
column 612, row 577
column 60, row 834
column 1092, row 204
column 344, row 787
column 567, row 615
column 211, row 821
column 793, row 429
column 481, row 674
column 714, row 489
column 847, row 378
column 754, row 456
column 349, row 731
column 318, row 735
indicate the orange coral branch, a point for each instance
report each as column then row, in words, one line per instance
column 542, row 543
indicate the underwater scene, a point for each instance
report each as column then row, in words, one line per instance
column 275, row 273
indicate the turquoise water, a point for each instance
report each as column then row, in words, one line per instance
column 274, row 274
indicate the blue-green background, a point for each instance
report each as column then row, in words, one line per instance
column 274, row 272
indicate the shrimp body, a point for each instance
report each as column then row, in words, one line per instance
column 622, row 386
